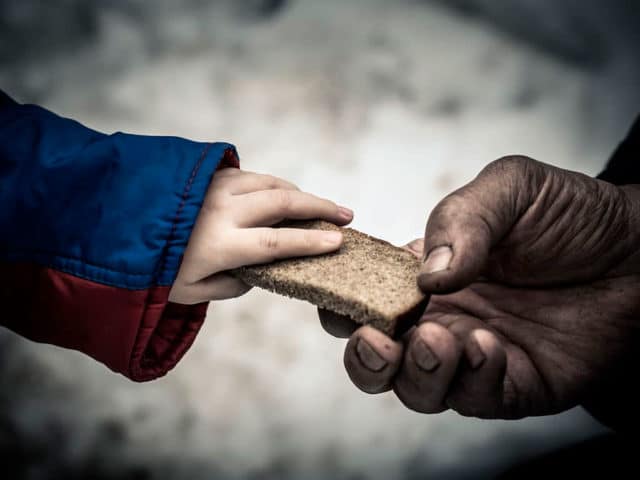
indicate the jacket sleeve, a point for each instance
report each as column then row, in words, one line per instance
column 614, row 403
column 92, row 231
column 624, row 166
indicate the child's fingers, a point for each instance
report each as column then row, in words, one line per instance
column 240, row 182
column 264, row 245
column 219, row 286
column 268, row 207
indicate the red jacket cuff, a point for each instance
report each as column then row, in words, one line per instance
column 137, row 333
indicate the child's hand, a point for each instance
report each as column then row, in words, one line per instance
column 232, row 230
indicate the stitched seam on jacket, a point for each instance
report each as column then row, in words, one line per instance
column 136, row 371
column 176, row 218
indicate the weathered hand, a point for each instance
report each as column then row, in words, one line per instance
column 493, row 351
column 546, row 309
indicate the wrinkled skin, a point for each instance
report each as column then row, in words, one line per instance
column 534, row 309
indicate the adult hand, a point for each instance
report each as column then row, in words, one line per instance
column 544, row 264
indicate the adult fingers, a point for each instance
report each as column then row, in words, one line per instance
column 372, row 359
column 337, row 325
column 428, row 369
column 478, row 388
column 465, row 225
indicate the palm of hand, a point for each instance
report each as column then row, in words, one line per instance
column 546, row 270
column 573, row 317
column 553, row 344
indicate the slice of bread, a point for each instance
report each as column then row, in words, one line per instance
column 368, row 280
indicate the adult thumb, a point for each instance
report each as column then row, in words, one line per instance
column 464, row 227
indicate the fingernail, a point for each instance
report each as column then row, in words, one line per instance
column 332, row 238
column 369, row 357
column 438, row 259
column 345, row 213
column 475, row 355
column 424, row 356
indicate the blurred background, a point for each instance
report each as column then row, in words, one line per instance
column 382, row 105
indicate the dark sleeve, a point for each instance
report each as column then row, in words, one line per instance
column 613, row 401
column 624, row 166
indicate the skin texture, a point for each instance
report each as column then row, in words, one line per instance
column 233, row 229
column 535, row 307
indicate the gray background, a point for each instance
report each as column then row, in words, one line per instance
column 384, row 106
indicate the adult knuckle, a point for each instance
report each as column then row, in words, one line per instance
column 510, row 164
column 518, row 171
column 452, row 203
column 452, row 207
column 510, row 408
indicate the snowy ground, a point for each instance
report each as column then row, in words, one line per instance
column 384, row 106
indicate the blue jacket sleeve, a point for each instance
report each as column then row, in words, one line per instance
column 104, row 212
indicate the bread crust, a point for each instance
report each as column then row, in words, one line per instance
column 368, row 280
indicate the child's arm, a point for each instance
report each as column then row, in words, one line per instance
column 93, row 229
column 232, row 231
